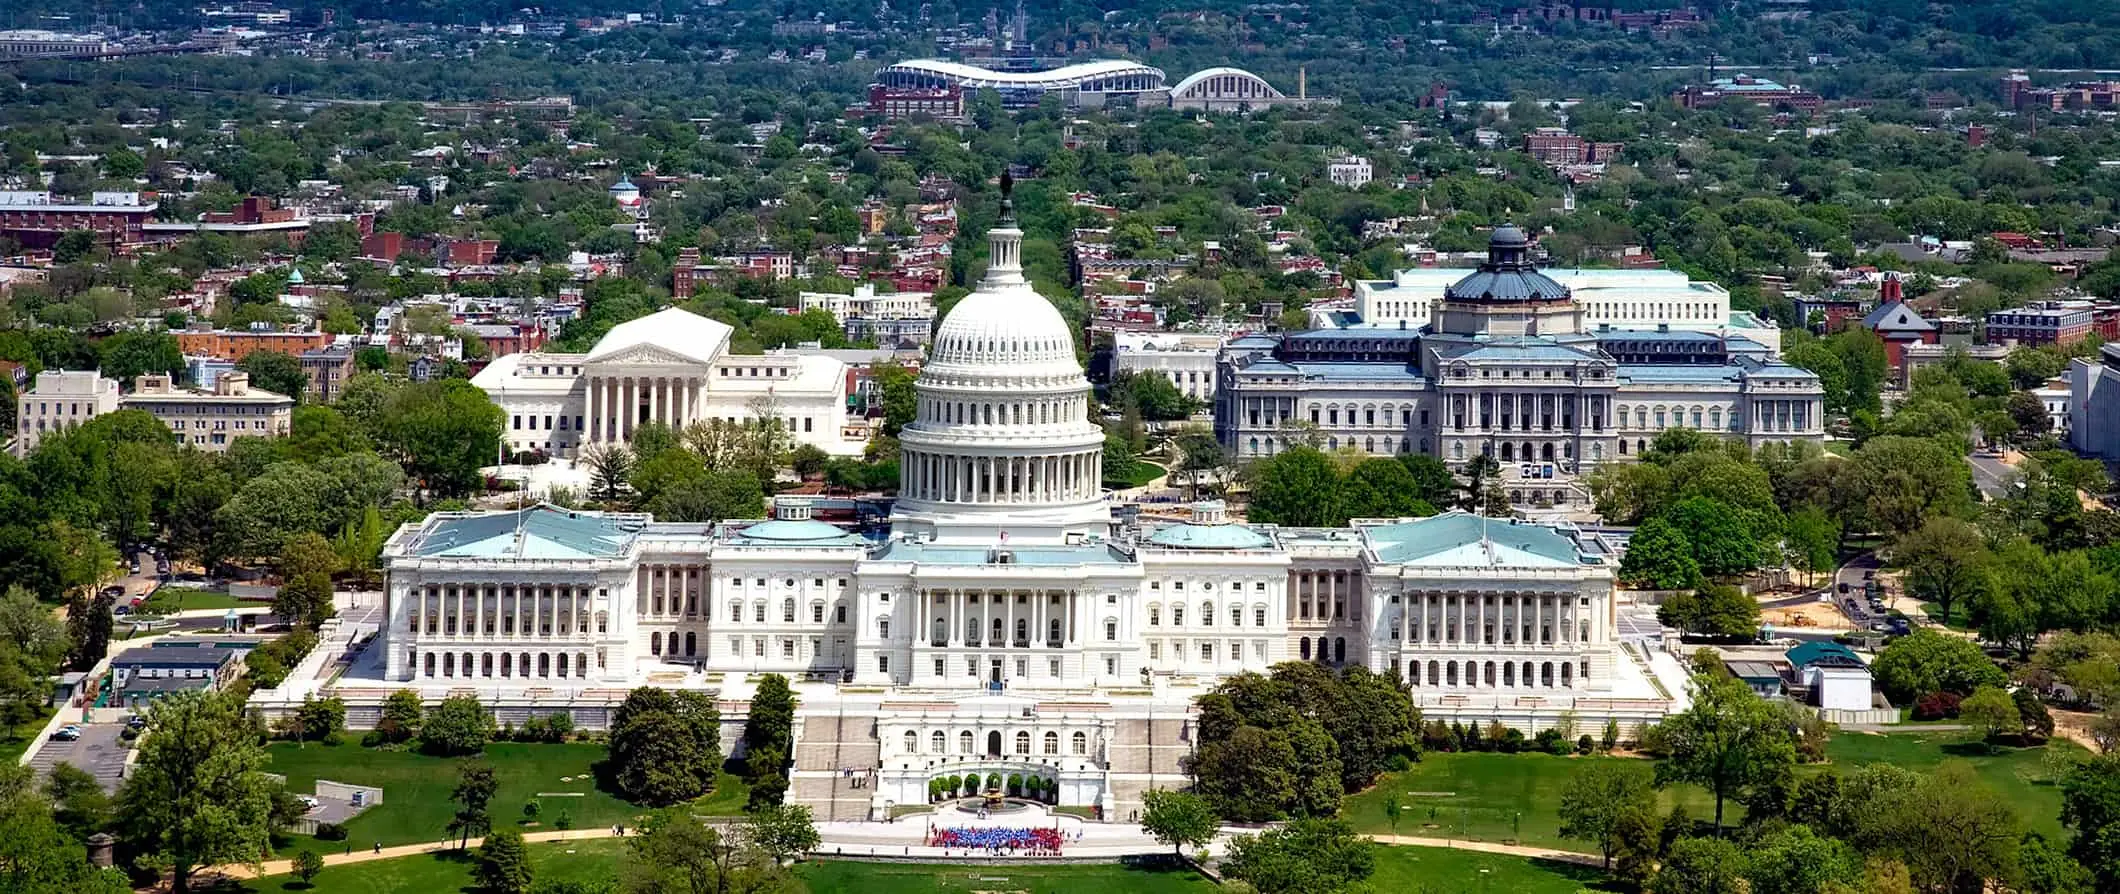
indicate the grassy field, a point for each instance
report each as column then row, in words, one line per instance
column 177, row 599
column 1138, row 474
column 1492, row 797
column 1413, row 870
column 1432, row 870
column 585, row 861
column 19, row 739
column 416, row 805
column 2019, row 774
column 1959, row 616
column 1481, row 795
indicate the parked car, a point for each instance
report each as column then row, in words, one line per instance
column 309, row 802
column 136, row 722
column 121, row 610
column 68, row 733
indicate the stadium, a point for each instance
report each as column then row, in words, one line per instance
column 1083, row 85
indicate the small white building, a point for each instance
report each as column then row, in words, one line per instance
column 61, row 399
column 889, row 318
column 1836, row 677
column 1186, row 359
column 1351, row 171
column 2053, row 396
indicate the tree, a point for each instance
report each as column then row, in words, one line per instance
column 1726, row 741
column 1716, row 610
column 1380, row 487
column 400, row 720
column 710, row 498
column 769, row 737
column 2046, row 868
column 1636, row 842
column 79, row 803
column 128, row 355
column 1432, row 482
column 1812, row 540
column 503, row 863
column 1311, row 856
column 442, row 432
column 1178, row 819
column 197, row 794
column 665, row 747
column 1700, row 866
column 1659, row 557
column 306, row 867
column 275, row 372
column 475, row 785
column 1598, row 796
column 782, row 831
column 1943, row 559
column 675, row 853
column 456, row 727
column 1296, row 488
column 1797, row 860
column 1927, row 661
column 1200, row 454
column 2090, row 809
column 1991, row 711
column 610, row 469
column 305, row 600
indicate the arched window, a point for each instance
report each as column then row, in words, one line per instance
column 655, row 644
column 1207, row 614
column 1303, row 644
column 691, row 644
column 938, row 742
column 1052, row 743
column 964, row 742
column 1023, row 742
column 787, row 611
column 912, row 742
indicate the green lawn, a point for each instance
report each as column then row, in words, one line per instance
column 826, row 877
column 1480, row 795
column 2019, row 774
column 1422, row 870
column 1138, row 474
column 1407, row 869
column 19, row 739
column 441, row 873
column 176, row 599
column 416, row 805
column 1959, row 616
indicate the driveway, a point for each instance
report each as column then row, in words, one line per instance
column 99, row 751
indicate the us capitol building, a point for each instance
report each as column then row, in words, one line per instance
column 1006, row 623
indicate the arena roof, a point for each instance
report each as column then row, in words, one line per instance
column 975, row 77
column 1220, row 71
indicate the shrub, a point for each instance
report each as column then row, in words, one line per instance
column 373, row 738
column 564, row 821
column 331, row 832
column 531, row 809
column 1398, row 763
column 1583, row 744
column 1937, row 706
column 1549, row 741
column 334, row 739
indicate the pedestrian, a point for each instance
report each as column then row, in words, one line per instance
column 378, row 847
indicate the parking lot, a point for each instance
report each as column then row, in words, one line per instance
column 99, row 751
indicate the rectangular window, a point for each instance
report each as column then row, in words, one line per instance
column 758, row 647
column 1236, row 651
column 1207, row 651
column 1155, row 651
column 883, row 664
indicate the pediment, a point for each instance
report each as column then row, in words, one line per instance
column 647, row 355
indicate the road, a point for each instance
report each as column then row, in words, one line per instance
column 1991, row 475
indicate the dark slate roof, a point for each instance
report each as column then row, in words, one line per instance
column 1508, row 274
column 1896, row 316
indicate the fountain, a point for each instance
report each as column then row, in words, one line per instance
column 992, row 803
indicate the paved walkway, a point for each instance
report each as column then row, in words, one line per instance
column 363, row 855
column 1491, row 847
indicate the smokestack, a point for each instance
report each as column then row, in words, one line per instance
column 1302, row 82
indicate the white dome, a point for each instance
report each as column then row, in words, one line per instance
column 1009, row 331
column 1001, row 439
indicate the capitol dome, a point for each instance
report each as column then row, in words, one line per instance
column 1002, row 446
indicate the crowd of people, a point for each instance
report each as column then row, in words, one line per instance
column 1030, row 842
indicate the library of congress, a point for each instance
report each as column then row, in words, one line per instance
column 1006, row 621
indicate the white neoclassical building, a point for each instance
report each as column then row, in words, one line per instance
column 671, row 367
column 1005, row 622
column 1505, row 362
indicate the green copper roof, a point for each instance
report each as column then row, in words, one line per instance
column 1190, row 536
column 537, row 532
column 1460, row 539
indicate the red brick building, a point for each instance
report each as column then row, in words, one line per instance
column 38, row 219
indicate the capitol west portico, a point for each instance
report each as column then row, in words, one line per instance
column 1006, row 623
